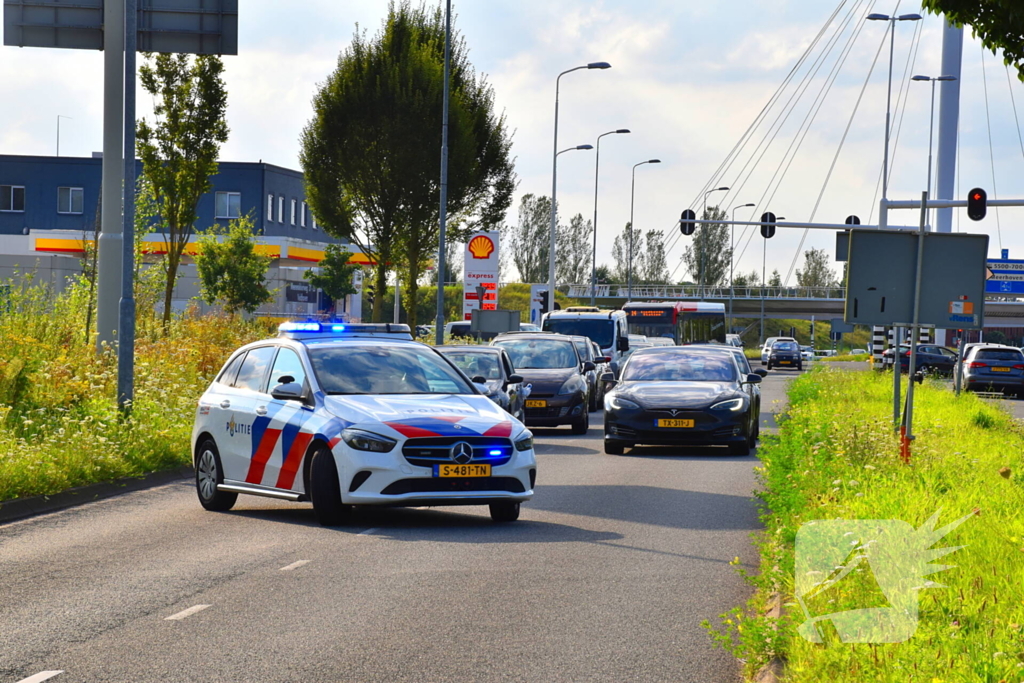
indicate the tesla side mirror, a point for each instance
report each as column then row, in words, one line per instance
column 608, row 377
column 589, row 366
column 291, row 391
column 515, row 379
column 761, row 371
column 753, row 378
column 622, row 344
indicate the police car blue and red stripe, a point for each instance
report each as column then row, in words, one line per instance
column 342, row 415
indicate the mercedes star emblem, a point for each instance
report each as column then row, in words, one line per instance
column 462, row 453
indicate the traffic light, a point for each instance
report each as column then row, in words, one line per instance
column 768, row 225
column 545, row 304
column 370, row 294
column 977, row 204
column 686, row 222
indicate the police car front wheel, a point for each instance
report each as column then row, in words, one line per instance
column 208, row 474
column 325, row 489
column 504, row 512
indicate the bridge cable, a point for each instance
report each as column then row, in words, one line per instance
column 1013, row 100
column 991, row 152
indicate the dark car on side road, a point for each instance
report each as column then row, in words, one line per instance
column 930, row 359
column 785, row 354
column 681, row 396
column 551, row 365
column 994, row 368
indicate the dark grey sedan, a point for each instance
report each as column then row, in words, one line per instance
column 494, row 367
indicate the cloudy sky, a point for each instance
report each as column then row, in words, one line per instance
column 688, row 78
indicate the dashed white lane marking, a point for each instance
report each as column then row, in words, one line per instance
column 186, row 613
column 294, row 565
column 41, row 676
column 367, row 532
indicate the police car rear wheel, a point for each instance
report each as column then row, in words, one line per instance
column 504, row 512
column 325, row 489
column 208, row 475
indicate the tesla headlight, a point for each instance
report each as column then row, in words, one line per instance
column 572, row 385
column 733, row 404
column 367, row 441
column 524, row 442
column 613, row 402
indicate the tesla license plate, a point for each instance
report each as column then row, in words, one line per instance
column 536, row 404
column 462, row 471
column 677, row 424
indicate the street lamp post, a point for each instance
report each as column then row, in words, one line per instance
column 703, row 275
column 597, row 166
column 732, row 250
column 632, row 230
column 764, row 281
column 888, row 97
column 554, row 177
column 931, row 125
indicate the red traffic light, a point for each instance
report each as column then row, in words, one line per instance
column 977, row 204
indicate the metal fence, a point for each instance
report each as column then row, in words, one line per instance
column 688, row 292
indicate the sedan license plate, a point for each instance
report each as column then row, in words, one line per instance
column 454, row 470
column 785, row 362
column 536, row 404
column 1000, row 369
column 677, row 424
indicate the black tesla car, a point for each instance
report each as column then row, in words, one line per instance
column 681, row 396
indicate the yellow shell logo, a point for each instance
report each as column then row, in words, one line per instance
column 481, row 247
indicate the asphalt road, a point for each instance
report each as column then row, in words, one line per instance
column 606, row 577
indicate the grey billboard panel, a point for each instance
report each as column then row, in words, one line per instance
column 185, row 26
column 76, row 25
column 842, row 245
column 882, row 270
column 839, row 325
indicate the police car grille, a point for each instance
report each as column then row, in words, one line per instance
column 446, row 485
column 431, row 451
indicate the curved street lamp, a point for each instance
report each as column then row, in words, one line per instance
column 554, row 177
column 597, row 166
column 931, row 124
column 632, row 230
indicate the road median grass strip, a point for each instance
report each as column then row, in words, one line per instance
column 836, row 458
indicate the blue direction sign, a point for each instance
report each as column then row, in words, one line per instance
column 1007, row 277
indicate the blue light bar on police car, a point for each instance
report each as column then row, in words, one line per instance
column 311, row 329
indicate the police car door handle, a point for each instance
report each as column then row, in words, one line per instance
column 225, row 404
column 261, row 410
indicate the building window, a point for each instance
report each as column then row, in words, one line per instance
column 294, row 210
column 302, row 216
column 270, row 207
column 312, row 218
column 229, row 205
column 280, row 209
column 70, row 199
column 12, row 197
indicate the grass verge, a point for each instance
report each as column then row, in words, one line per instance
column 835, row 457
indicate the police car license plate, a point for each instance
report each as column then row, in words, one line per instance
column 678, row 424
column 536, row 404
column 472, row 470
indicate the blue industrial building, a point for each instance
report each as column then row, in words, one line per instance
column 62, row 193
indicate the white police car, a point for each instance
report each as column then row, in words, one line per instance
column 343, row 415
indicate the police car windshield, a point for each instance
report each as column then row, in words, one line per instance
column 540, row 354
column 381, row 369
column 476, row 363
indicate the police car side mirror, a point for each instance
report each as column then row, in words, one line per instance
column 292, row 391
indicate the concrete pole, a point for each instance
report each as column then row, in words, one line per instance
column 126, row 307
column 111, row 242
column 441, row 265
column 949, row 123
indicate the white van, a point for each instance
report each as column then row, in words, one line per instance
column 607, row 329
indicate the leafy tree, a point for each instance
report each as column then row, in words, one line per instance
column 999, row 24
column 655, row 265
column 231, row 270
column 179, row 151
column 452, row 262
column 371, row 152
column 605, row 275
column 529, row 239
column 621, row 251
column 335, row 276
column 573, row 254
column 776, row 279
column 816, row 272
column 707, row 256
column 751, row 279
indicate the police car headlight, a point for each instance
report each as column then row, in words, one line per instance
column 524, row 442
column 734, row 405
column 367, row 441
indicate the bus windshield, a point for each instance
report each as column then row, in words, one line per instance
column 600, row 330
column 683, row 323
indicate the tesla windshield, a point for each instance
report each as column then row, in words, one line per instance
column 678, row 367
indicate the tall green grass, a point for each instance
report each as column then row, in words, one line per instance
column 835, row 457
column 59, row 426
